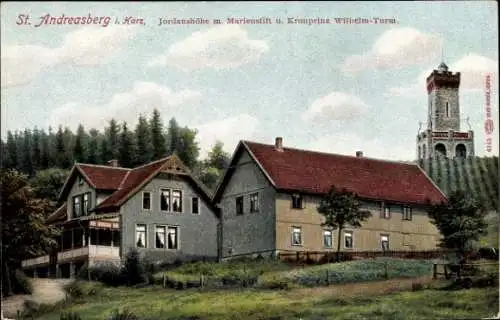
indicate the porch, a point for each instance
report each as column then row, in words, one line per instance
column 80, row 243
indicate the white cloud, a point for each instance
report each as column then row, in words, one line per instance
column 348, row 144
column 126, row 106
column 336, row 106
column 229, row 131
column 220, row 47
column 86, row 46
column 396, row 48
column 473, row 69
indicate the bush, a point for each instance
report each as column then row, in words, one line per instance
column 74, row 290
column 133, row 271
column 109, row 274
column 23, row 282
column 70, row 316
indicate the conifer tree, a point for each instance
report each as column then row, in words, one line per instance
column 143, row 142
column 157, row 137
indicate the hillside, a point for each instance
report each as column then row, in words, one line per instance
column 478, row 175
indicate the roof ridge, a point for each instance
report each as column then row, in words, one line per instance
column 337, row 154
column 124, row 179
column 150, row 163
column 101, row 166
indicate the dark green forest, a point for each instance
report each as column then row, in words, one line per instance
column 45, row 155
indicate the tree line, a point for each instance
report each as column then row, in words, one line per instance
column 34, row 150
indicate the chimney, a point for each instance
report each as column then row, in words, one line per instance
column 359, row 154
column 113, row 163
column 278, row 144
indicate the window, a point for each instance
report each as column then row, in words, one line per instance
column 384, row 241
column 254, row 202
column 447, row 109
column 146, row 200
column 80, row 181
column 77, row 209
column 85, row 202
column 385, row 211
column 140, row 236
column 176, row 201
column 348, row 241
column 327, row 239
column 160, row 234
column 297, row 202
column 172, row 238
column 407, row 214
column 165, row 200
column 239, row 205
column 195, row 206
column 296, row 236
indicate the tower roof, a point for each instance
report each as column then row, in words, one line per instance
column 442, row 67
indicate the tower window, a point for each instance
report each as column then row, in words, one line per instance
column 447, row 109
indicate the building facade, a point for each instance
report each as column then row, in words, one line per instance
column 160, row 209
column 269, row 197
column 443, row 136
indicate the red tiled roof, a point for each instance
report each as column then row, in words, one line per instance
column 315, row 172
column 132, row 180
column 103, row 177
column 124, row 182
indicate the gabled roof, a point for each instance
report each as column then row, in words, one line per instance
column 303, row 171
column 126, row 182
column 99, row 177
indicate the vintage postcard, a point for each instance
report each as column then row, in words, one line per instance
column 249, row 160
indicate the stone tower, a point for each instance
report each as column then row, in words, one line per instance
column 443, row 137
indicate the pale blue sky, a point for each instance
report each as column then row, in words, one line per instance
column 331, row 87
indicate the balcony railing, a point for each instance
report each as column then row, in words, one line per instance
column 72, row 254
column 35, row 261
column 91, row 251
column 447, row 134
column 103, row 252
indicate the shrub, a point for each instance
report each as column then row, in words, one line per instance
column 123, row 315
column 74, row 290
column 70, row 316
column 109, row 274
column 133, row 269
column 23, row 282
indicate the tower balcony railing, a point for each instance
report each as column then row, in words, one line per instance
column 452, row 134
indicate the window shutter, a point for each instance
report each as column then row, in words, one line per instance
column 303, row 202
column 382, row 208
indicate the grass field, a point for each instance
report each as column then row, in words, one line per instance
column 358, row 293
column 311, row 303
column 267, row 273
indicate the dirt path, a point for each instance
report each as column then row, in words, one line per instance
column 45, row 291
